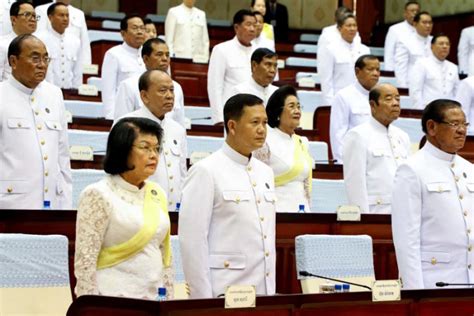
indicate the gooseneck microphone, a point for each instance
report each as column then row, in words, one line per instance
column 308, row 274
column 443, row 284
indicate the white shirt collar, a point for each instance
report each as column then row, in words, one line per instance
column 438, row 153
column 379, row 127
column 150, row 114
column 18, row 85
column 257, row 85
column 234, row 155
column 56, row 34
column 236, row 40
column 130, row 49
column 436, row 60
column 362, row 89
column 281, row 134
column 121, row 183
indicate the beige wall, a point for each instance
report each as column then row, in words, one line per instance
column 394, row 8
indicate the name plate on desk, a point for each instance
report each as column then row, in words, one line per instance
column 87, row 89
column 348, row 213
column 306, row 82
column 83, row 153
column 240, row 296
column 386, row 290
column 92, row 69
column 198, row 155
column 200, row 59
column 281, row 63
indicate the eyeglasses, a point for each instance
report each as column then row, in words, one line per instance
column 37, row 59
column 29, row 15
column 456, row 125
column 148, row 149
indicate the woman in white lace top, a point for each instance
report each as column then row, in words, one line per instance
column 287, row 153
column 122, row 229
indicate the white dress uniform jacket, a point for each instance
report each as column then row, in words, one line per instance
column 128, row 100
column 372, row 154
column 186, row 32
column 252, row 87
column 77, row 27
column 172, row 167
column 336, row 66
column 466, row 51
column 395, row 33
column 227, row 224
column 229, row 65
column 5, row 69
column 328, row 34
column 5, row 23
column 465, row 96
column 263, row 42
column 432, row 219
column 120, row 62
column 65, row 68
column 34, row 156
column 350, row 108
column 432, row 79
column 407, row 52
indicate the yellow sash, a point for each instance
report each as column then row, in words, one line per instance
column 301, row 155
column 154, row 199
column 267, row 31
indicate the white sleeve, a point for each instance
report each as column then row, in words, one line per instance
column 178, row 107
column 3, row 63
column 389, row 48
column 78, row 68
column 215, row 83
column 355, row 166
column 402, row 56
column 109, row 84
column 406, row 226
column 416, row 84
column 465, row 96
column 183, row 168
column 85, row 42
column 64, row 159
column 195, row 215
column 170, row 28
column 205, row 39
column 326, row 74
column 338, row 126
column 463, row 51
column 124, row 101
column 456, row 80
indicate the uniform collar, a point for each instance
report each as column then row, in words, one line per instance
column 281, row 134
column 379, row 127
column 234, row 155
column 121, row 183
column 363, row 90
column 420, row 38
column 56, row 34
column 186, row 8
column 438, row 153
column 130, row 49
column 436, row 60
column 235, row 39
column 151, row 115
column 18, row 85
column 257, row 85
column 409, row 26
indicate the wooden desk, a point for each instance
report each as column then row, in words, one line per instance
column 419, row 303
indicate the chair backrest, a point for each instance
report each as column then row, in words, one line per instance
column 411, row 126
column 81, row 178
column 109, row 24
column 301, row 62
column 155, row 18
column 341, row 257
column 88, row 109
column 34, row 275
column 318, row 151
column 406, row 102
column 310, row 38
column 97, row 35
column 377, row 51
column 95, row 81
column 312, row 75
column 108, row 15
column 217, row 22
column 305, row 48
column 199, row 115
column 203, row 144
column 390, row 80
column 327, row 195
column 179, row 279
column 96, row 140
column 309, row 100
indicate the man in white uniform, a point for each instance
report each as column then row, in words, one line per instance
column 433, row 196
column 261, row 41
column 5, row 24
column 157, row 94
column 398, row 31
column 35, row 168
column 227, row 217
column 77, row 26
column 412, row 47
column 373, row 151
column 186, row 31
column 465, row 96
column 229, row 64
column 336, row 60
column 434, row 77
column 351, row 105
column 264, row 66
column 150, row 29
column 122, row 61
column 466, row 51
column 155, row 55
column 23, row 20
column 65, row 69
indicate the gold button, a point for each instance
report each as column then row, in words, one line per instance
column 249, row 168
column 254, row 184
column 440, row 189
column 226, row 264
column 169, row 164
column 433, row 261
column 171, row 190
column 42, row 142
column 258, row 201
column 379, row 201
column 469, row 266
column 453, row 165
column 19, row 124
column 36, row 112
column 171, row 177
column 166, row 152
column 461, row 196
column 46, row 190
column 9, row 189
column 55, row 126
column 45, row 157
column 397, row 157
column 267, row 254
column 262, row 218
column 39, row 127
column 264, row 236
column 46, row 173
column 456, row 178
column 465, row 213
column 237, row 199
column 32, row 99
column 169, row 203
column 267, row 274
column 469, row 248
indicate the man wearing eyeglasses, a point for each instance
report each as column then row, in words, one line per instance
column 157, row 94
column 122, row 61
column 35, row 168
column 23, row 19
column 432, row 204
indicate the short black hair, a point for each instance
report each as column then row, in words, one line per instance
column 240, row 15
column 438, row 35
column 144, row 81
column 419, row 14
column 360, row 62
column 53, row 7
column 435, row 111
column 15, row 8
column 147, row 21
column 260, row 53
column 124, row 21
column 374, row 94
column 343, row 17
column 14, row 49
column 234, row 107
column 121, row 139
column 276, row 103
column 147, row 47
column 409, row 3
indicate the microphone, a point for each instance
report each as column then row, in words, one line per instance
column 308, row 274
column 201, row 118
column 443, row 284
